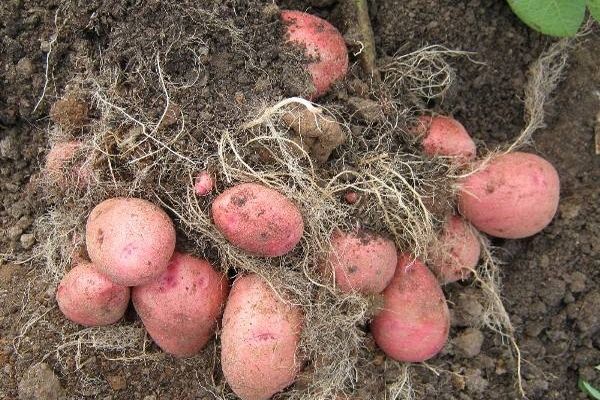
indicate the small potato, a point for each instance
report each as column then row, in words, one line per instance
column 130, row 240
column 445, row 136
column 457, row 253
column 414, row 323
column 258, row 219
column 57, row 160
column 181, row 308
column 514, row 196
column 361, row 261
column 203, row 184
column 259, row 340
column 89, row 298
column 323, row 43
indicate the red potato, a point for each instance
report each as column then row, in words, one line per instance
column 181, row 308
column 59, row 155
column 414, row 323
column 323, row 43
column 130, row 240
column 203, row 184
column 258, row 219
column 445, row 136
column 351, row 197
column 89, row 298
column 514, row 196
column 458, row 251
column 259, row 340
column 361, row 261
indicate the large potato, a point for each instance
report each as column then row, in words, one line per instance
column 323, row 43
column 181, row 308
column 514, row 196
column 130, row 240
column 361, row 261
column 258, row 219
column 414, row 323
column 89, row 298
column 457, row 253
column 259, row 340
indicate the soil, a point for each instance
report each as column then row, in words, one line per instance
column 550, row 281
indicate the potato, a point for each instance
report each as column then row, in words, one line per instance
column 361, row 261
column 130, row 240
column 259, row 340
column 57, row 160
column 88, row 298
column 445, row 136
column 514, row 196
column 181, row 308
column 457, row 253
column 258, row 219
column 203, row 183
column 323, row 43
column 414, row 323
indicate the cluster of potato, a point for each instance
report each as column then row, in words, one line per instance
column 179, row 298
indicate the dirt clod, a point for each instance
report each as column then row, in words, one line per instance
column 40, row 383
column 469, row 342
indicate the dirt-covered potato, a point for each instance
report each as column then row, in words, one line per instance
column 130, row 240
column 57, row 163
column 457, row 251
column 87, row 297
column 514, row 196
column 181, row 308
column 259, row 340
column 258, row 219
column 414, row 323
column 361, row 261
column 324, row 43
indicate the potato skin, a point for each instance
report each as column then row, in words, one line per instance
column 56, row 159
column 181, row 308
column 362, row 261
column 130, row 240
column 458, row 251
column 258, row 219
column 415, row 321
column 87, row 297
column 324, row 43
column 259, row 340
column 445, row 136
column 516, row 195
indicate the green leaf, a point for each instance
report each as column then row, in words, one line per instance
column 589, row 389
column 594, row 7
column 552, row 17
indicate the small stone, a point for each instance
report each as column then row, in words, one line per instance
column 578, row 282
column 27, row 240
column 14, row 232
column 40, row 383
column 475, row 382
column 116, row 382
column 469, row 342
column 368, row 110
column 24, row 67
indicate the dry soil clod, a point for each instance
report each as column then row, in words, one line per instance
column 316, row 134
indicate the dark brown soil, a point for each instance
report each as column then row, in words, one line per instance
column 551, row 281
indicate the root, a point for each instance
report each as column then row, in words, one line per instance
column 544, row 76
column 425, row 73
column 495, row 316
column 53, row 40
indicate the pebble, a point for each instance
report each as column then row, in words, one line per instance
column 27, row 240
column 40, row 383
column 116, row 382
column 469, row 342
